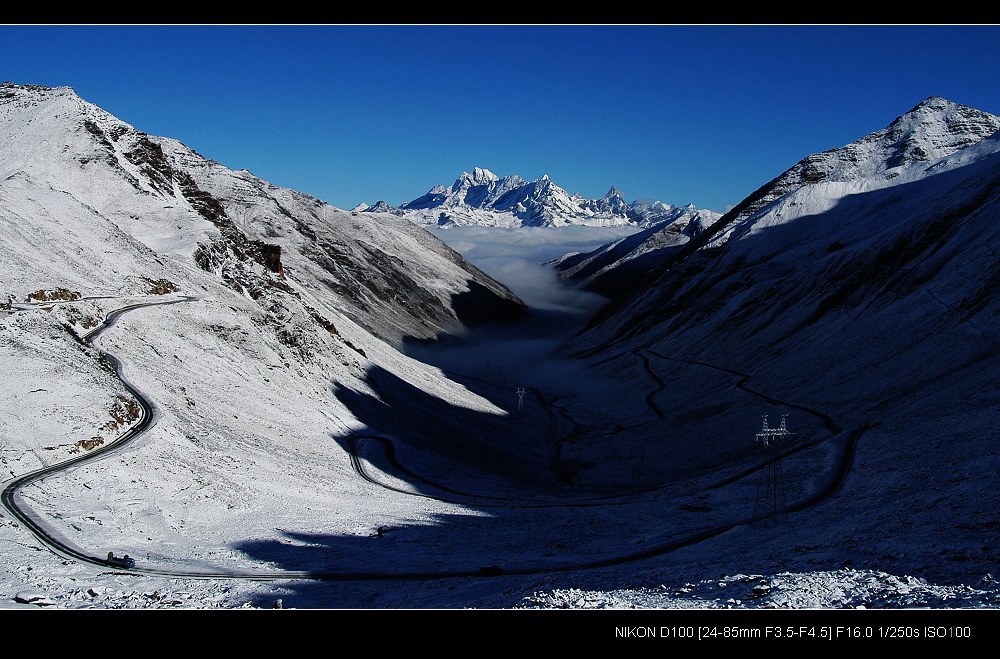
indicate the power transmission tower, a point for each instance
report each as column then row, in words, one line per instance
column 520, row 398
column 770, row 501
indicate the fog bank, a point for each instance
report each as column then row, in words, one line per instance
column 514, row 257
column 522, row 354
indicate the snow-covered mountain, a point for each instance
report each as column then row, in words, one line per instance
column 378, row 207
column 862, row 282
column 934, row 138
column 70, row 169
column 905, row 150
column 482, row 198
column 299, row 308
column 841, row 196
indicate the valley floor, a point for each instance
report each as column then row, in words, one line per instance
column 641, row 492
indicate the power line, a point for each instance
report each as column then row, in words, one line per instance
column 770, row 500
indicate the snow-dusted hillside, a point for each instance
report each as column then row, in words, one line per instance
column 618, row 265
column 907, row 149
column 861, row 282
column 298, row 305
column 481, row 198
column 76, row 178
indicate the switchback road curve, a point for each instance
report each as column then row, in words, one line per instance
column 10, row 496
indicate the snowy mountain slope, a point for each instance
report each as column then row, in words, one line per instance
column 954, row 134
column 872, row 299
column 298, row 305
column 905, row 150
column 483, row 198
column 92, row 205
column 68, row 158
column 615, row 266
column 391, row 276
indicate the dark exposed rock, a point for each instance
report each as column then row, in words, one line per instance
column 53, row 295
column 160, row 286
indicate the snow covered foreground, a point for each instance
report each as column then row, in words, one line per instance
column 275, row 389
column 846, row 588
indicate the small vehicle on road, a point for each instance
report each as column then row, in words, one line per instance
column 125, row 561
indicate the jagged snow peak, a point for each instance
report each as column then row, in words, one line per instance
column 483, row 198
column 479, row 176
column 916, row 143
column 933, row 137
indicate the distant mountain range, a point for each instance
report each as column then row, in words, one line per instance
column 484, row 199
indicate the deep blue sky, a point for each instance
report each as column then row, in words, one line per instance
column 349, row 114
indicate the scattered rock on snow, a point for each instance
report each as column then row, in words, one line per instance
column 29, row 597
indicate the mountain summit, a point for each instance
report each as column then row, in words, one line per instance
column 902, row 151
column 934, row 136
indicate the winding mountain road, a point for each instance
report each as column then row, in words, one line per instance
column 467, row 498
column 741, row 383
column 833, row 483
column 10, row 497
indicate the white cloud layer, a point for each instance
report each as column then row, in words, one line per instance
column 515, row 257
